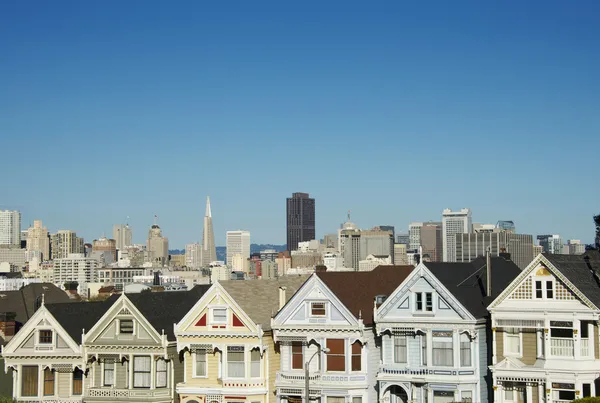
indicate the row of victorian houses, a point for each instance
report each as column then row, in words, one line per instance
column 435, row 333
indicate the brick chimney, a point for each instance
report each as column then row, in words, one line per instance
column 8, row 325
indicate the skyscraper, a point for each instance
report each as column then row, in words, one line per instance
column 38, row 239
column 431, row 241
column 157, row 246
column 238, row 243
column 551, row 243
column 414, row 235
column 65, row 242
column 472, row 245
column 193, row 256
column 300, row 219
column 209, row 251
column 122, row 236
column 454, row 222
column 10, row 228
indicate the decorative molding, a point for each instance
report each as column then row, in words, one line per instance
column 124, row 311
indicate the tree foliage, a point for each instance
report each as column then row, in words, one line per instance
column 595, row 399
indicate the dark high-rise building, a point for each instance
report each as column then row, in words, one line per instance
column 300, row 219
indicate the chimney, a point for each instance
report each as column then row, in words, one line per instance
column 8, row 326
column 320, row 268
column 281, row 297
column 488, row 265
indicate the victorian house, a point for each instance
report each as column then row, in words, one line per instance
column 328, row 324
column 226, row 342
column 545, row 331
column 433, row 330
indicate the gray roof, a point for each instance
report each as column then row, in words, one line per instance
column 260, row 298
column 468, row 281
column 74, row 318
column 581, row 270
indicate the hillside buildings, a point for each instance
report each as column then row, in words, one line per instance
column 193, row 255
column 105, row 245
column 300, row 213
column 65, row 242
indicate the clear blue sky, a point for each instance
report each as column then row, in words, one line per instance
column 394, row 110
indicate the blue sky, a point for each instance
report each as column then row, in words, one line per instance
column 394, row 110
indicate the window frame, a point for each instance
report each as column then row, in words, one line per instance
column 45, row 343
column 212, row 315
column 461, row 349
column 158, row 371
column 137, row 371
column 331, row 354
column 243, row 361
column 73, row 380
column 434, row 348
column 121, row 321
column 35, row 382
column 548, row 288
column 318, row 315
column 253, row 363
column 195, row 366
column 396, row 338
column 423, row 348
column 52, row 380
column 296, row 344
column 505, row 333
column 113, row 365
column 354, row 355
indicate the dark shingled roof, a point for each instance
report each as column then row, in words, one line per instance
column 75, row 317
column 468, row 281
column 23, row 301
column 357, row 289
column 581, row 270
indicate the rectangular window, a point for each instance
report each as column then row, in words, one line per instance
column 465, row 351
column 424, row 349
column 235, row 362
column 587, row 389
column 255, row 363
column 297, row 356
column 512, row 341
column 549, row 289
column 219, row 315
column 400, row 353
column 428, row 302
column 200, row 361
column 48, row 382
column 539, row 293
column 109, row 373
column 356, row 356
column 45, row 337
column 442, row 350
column 29, row 381
column 142, row 372
column 419, row 301
column 161, row 373
column 336, row 358
column 77, row 382
column 126, row 326
column 317, row 309
column 443, row 396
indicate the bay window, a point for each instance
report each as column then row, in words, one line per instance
column 512, row 342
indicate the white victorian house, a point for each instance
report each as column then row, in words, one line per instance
column 433, row 332
column 329, row 324
column 545, row 331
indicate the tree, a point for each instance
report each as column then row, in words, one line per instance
column 597, row 223
column 587, row 400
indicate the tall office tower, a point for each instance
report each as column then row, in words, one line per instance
column 506, row 226
column 551, row 243
column 209, row 251
column 537, row 249
column 454, row 222
column 575, row 247
column 10, row 228
column 330, row 241
column 157, row 247
column 350, row 247
column 403, row 238
column 193, row 255
column 105, row 245
column 65, row 242
column 400, row 254
column 358, row 244
column 386, row 228
column 122, row 236
column 300, row 219
column 38, row 239
column 473, row 245
column 238, row 243
column 431, row 241
column 414, row 235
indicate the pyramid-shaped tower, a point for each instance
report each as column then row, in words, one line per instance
column 209, row 251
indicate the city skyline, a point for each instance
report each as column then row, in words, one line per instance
column 327, row 98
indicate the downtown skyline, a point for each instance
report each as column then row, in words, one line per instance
column 394, row 112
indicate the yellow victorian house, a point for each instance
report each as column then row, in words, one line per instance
column 226, row 342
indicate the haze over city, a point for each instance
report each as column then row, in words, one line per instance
column 394, row 111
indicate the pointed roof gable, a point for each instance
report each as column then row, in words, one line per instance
column 467, row 281
column 23, row 302
column 357, row 289
column 260, row 298
column 583, row 271
column 75, row 317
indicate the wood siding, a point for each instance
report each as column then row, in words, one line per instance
column 63, row 380
column 529, row 346
column 596, row 345
column 499, row 345
column 272, row 364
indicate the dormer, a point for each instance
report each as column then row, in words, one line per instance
column 543, row 284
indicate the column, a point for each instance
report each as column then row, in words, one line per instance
column 576, row 339
column 152, row 372
column 494, row 353
column 529, row 392
column 591, row 341
column 130, row 366
column 456, row 348
column 429, row 348
column 546, row 338
column 40, row 381
column 16, row 381
column 541, row 392
column 539, row 333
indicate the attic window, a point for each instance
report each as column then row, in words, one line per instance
column 317, row 309
column 219, row 315
column 126, row 326
column 45, row 337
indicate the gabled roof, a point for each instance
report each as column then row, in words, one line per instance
column 75, row 317
column 260, row 298
column 468, row 281
column 583, row 271
column 357, row 289
column 23, row 302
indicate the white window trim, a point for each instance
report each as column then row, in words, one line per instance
column 504, row 340
column 292, row 358
column 211, row 313
column 310, row 314
column 260, row 365
column 102, row 383
column 37, row 337
column 544, row 279
column 134, row 323
column 424, row 311
column 194, row 367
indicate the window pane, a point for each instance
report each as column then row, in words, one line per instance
column 549, row 289
column 255, row 363
column 419, row 301
column 235, row 362
column 29, row 380
column 336, row 358
column 442, row 351
column 538, row 289
column 126, row 326
column 424, row 349
column 465, row 351
column 220, row 315
column 200, row 363
column 297, row 356
column 77, row 381
column 45, row 337
column 109, row 372
column 141, row 372
column 356, row 356
column 48, row 382
column 317, row 308
column 400, row 351
column 429, row 302
column 161, row 373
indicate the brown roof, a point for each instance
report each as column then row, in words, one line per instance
column 357, row 289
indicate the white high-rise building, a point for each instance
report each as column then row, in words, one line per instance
column 76, row 267
column 193, row 255
column 10, row 228
column 38, row 240
column 238, row 243
column 454, row 222
column 122, row 235
column 414, row 235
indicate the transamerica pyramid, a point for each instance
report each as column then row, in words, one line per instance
column 209, row 251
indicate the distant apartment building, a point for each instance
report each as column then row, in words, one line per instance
column 269, row 269
column 219, row 272
column 358, row 244
column 269, row 254
column 239, row 263
column 64, row 243
column 333, row 261
column 431, row 242
column 38, row 239
column 119, row 276
column 157, row 246
column 193, row 255
column 454, row 222
column 575, row 247
column 13, row 256
column 105, row 245
column 537, row 249
column 400, row 254
column 551, row 243
column 372, row 261
column 10, row 228
column 122, row 236
column 300, row 213
column 284, row 263
column 330, row 241
column 414, row 235
column 238, row 243
column 76, row 267
column 403, row 237
column 473, row 245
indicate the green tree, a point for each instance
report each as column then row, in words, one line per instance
column 587, row 400
column 597, row 223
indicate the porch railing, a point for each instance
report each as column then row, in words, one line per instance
column 562, row 347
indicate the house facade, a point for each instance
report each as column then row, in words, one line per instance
column 545, row 332
column 226, row 343
column 329, row 324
